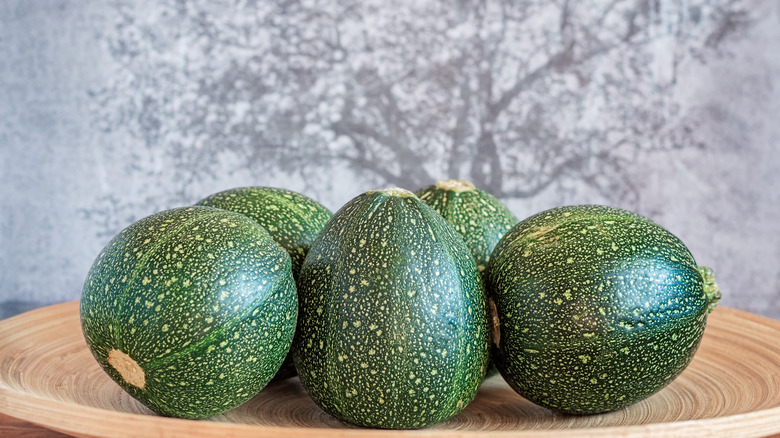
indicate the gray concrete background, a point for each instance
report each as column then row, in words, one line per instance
column 111, row 111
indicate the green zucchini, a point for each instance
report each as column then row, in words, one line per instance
column 594, row 308
column 292, row 219
column 479, row 217
column 393, row 325
column 190, row 310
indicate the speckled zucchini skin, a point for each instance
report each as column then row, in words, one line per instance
column 201, row 299
column 479, row 217
column 595, row 308
column 292, row 219
column 393, row 329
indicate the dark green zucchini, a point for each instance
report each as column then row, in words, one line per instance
column 190, row 310
column 392, row 330
column 594, row 308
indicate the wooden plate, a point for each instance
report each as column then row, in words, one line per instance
column 732, row 387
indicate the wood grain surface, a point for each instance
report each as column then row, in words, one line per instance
column 732, row 388
column 12, row 427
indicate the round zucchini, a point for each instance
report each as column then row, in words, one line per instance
column 393, row 325
column 594, row 308
column 190, row 310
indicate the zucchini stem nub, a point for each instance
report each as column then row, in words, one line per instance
column 711, row 288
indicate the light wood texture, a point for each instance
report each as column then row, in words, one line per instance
column 11, row 427
column 732, row 388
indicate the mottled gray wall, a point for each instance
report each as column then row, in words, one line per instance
column 111, row 111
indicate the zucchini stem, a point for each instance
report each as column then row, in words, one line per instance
column 395, row 191
column 456, row 185
column 711, row 288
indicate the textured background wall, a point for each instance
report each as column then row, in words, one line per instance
column 111, row 111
